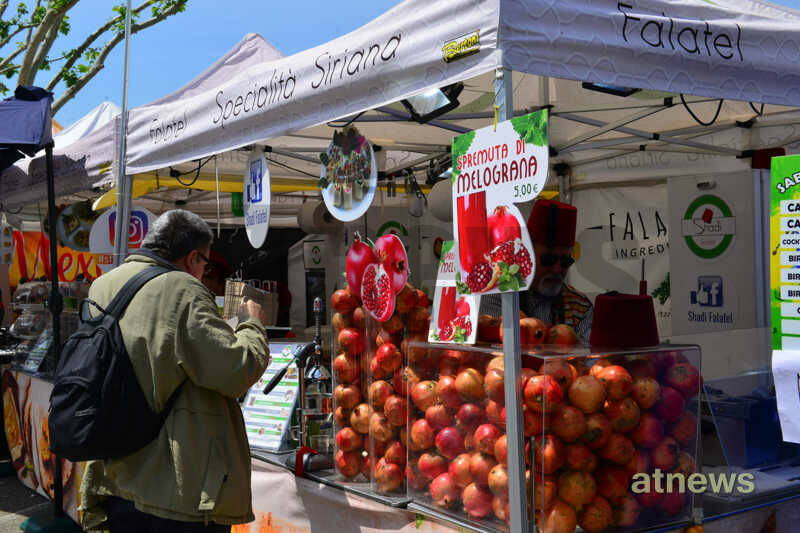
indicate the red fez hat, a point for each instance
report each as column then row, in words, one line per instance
column 218, row 264
column 623, row 321
column 553, row 223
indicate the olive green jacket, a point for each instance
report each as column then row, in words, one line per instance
column 198, row 468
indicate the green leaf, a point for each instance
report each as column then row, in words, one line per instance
column 435, row 336
column 460, row 147
column 419, row 519
column 462, row 288
column 513, row 269
column 460, row 335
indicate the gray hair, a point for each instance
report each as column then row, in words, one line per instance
column 176, row 233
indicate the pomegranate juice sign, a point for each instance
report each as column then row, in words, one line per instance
column 493, row 169
column 785, row 258
column 256, row 199
column 454, row 317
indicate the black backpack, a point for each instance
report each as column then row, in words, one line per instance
column 97, row 407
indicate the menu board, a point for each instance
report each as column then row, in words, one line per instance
column 267, row 417
column 785, row 252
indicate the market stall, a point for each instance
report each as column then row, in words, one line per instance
column 614, row 130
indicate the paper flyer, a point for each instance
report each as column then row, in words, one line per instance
column 495, row 168
column 455, row 317
column 786, row 372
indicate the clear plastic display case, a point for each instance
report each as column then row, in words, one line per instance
column 610, row 436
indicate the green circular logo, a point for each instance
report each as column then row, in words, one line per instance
column 316, row 255
column 708, row 226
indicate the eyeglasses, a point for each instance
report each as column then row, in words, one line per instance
column 548, row 260
column 208, row 266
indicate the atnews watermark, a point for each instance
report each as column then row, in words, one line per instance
column 661, row 482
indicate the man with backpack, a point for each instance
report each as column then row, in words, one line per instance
column 191, row 366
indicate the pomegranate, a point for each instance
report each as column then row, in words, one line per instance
column 347, row 396
column 639, row 463
column 498, row 481
column 598, row 366
column 376, row 371
column 618, row 449
column 665, row 455
column 480, row 464
column 685, row 465
column 532, row 422
column 482, row 277
column 437, row 417
column 562, row 334
column 351, row 341
column 558, row 518
column 489, row 328
column 380, row 429
column 645, row 392
column 377, row 294
column 384, row 336
column 598, row 429
column 485, row 438
column 343, row 301
column 359, row 318
column 348, row 463
column 548, row 454
column 670, row 406
column 672, row 503
column 406, row 299
column 414, row 477
column 503, row 226
column 470, row 416
column 449, row 442
column 612, row 482
column 392, row 255
column 684, row 378
column 623, row 415
column 642, row 368
column 448, row 395
column 346, row 368
column 499, row 508
column 423, row 394
column 495, row 413
column 477, row 501
column 340, row 321
column 664, row 360
column 395, row 453
column 389, row 477
column 462, row 307
column 396, row 410
column 568, row 423
column 469, row 384
column 422, row 299
column 685, row 429
column 418, row 321
column 359, row 418
column 626, row 511
column 459, row 470
column 422, row 434
column 404, row 380
column 596, row 516
column 649, row 432
column 348, row 440
column 341, row 416
column 543, row 394
column 379, row 392
column 532, row 331
column 501, row 450
column 650, row 498
column 431, row 465
column 496, row 364
column 389, row 357
column 580, row 457
column 393, row 326
column 359, row 256
column 577, row 488
column 494, row 386
column 617, row 381
column 587, row 393
column 563, row 372
column 444, row 491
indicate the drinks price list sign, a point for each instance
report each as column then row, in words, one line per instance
column 785, row 253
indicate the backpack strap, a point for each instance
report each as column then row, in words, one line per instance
column 120, row 302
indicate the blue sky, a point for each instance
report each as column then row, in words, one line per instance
column 171, row 53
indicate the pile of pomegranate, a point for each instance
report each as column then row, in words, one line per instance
column 597, row 421
column 370, row 396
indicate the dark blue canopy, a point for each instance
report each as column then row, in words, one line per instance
column 25, row 124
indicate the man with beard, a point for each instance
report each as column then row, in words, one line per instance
column 552, row 229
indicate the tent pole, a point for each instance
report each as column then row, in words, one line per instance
column 437, row 123
column 608, row 127
column 55, row 304
column 512, row 354
column 124, row 185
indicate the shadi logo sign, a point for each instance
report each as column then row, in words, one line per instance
column 708, row 226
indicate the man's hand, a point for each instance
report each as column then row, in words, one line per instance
column 255, row 310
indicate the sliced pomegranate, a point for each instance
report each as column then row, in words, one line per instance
column 523, row 260
column 392, row 255
column 446, row 332
column 482, row 277
column 503, row 252
column 464, row 323
column 377, row 293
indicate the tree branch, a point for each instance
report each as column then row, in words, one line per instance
column 20, row 29
column 52, row 17
column 10, row 58
column 44, row 49
column 3, row 6
column 98, row 65
column 81, row 49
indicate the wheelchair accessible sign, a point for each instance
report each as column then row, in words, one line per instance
column 708, row 227
column 256, row 199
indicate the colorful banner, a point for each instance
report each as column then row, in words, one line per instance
column 455, row 318
column 31, row 260
column 493, row 169
column 26, row 401
column 784, row 243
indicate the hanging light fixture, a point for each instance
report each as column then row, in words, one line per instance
column 427, row 106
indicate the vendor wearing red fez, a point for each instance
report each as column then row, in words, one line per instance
column 552, row 229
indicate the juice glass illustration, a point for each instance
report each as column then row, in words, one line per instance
column 473, row 235
column 447, row 307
